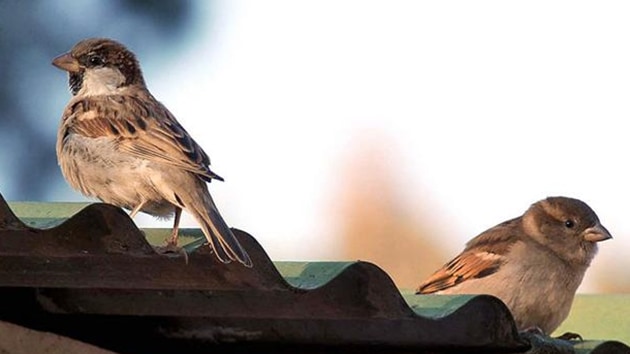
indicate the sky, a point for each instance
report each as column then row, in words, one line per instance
column 480, row 109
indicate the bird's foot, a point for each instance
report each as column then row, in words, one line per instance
column 570, row 336
column 171, row 249
column 533, row 330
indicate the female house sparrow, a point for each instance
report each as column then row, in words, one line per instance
column 116, row 142
column 533, row 263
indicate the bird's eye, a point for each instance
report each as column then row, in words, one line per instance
column 95, row 60
column 569, row 223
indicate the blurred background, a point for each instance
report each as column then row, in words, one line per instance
column 391, row 132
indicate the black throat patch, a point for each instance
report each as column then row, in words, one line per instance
column 75, row 80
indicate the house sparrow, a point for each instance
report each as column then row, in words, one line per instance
column 116, row 142
column 533, row 263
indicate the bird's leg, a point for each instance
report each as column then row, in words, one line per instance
column 135, row 210
column 171, row 243
column 175, row 233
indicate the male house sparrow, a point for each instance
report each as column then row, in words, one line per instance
column 116, row 142
column 533, row 263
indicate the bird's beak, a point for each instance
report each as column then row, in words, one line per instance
column 67, row 62
column 596, row 233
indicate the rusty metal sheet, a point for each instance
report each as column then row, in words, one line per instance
column 94, row 277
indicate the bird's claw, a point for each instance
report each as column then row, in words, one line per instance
column 570, row 336
column 171, row 249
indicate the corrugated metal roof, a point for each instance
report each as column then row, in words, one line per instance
column 94, row 277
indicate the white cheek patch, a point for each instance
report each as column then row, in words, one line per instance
column 101, row 81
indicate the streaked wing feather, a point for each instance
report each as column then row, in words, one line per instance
column 482, row 256
column 466, row 266
column 144, row 128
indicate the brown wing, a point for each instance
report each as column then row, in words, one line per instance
column 466, row 266
column 497, row 238
column 142, row 127
column 483, row 256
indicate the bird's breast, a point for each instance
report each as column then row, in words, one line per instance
column 97, row 168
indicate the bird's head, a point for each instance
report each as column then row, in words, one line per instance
column 100, row 66
column 569, row 227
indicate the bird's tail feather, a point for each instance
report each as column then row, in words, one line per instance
column 221, row 239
